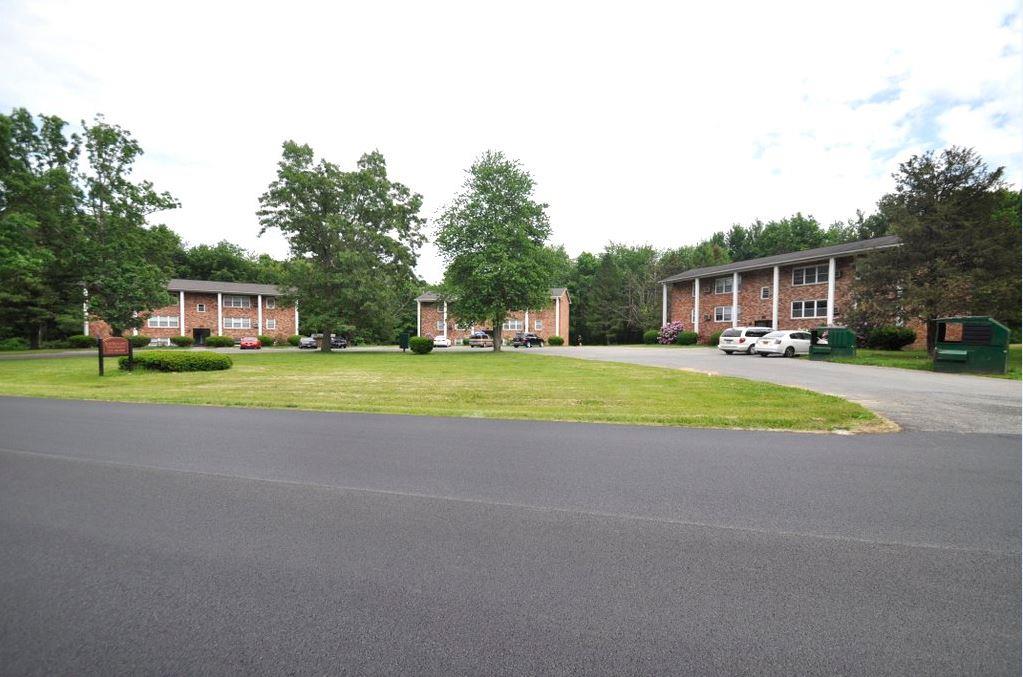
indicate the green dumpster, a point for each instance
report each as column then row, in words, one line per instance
column 977, row 344
column 403, row 341
column 827, row 342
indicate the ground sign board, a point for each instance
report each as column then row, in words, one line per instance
column 115, row 346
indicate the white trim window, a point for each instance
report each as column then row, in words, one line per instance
column 723, row 285
column 810, row 275
column 271, row 324
column 815, row 308
column 200, row 307
column 692, row 315
column 537, row 325
column 440, row 325
column 723, row 314
column 270, row 302
column 237, row 323
column 765, row 292
column 237, row 301
column 162, row 322
column 512, row 325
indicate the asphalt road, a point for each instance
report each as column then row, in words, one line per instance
column 916, row 400
column 163, row 539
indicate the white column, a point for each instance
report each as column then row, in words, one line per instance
column 419, row 318
column 85, row 312
column 696, row 305
column 220, row 314
column 831, row 291
column 664, row 304
column 735, row 299
column 774, row 301
column 527, row 321
column 259, row 314
column 557, row 316
column 445, row 319
column 181, row 313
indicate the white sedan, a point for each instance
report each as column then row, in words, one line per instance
column 785, row 343
column 441, row 342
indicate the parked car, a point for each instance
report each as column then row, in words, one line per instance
column 338, row 342
column 741, row 339
column 307, row 342
column 526, row 340
column 784, row 343
column 481, row 339
column 441, row 342
column 250, row 343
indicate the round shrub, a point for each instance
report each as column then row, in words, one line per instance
column 139, row 341
column 668, row 333
column 182, row 341
column 267, row 341
column 81, row 341
column 555, row 341
column 293, row 340
column 890, row 338
column 712, row 340
column 219, row 342
column 651, row 336
column 686, row 338
column 420, row 345
column 168, row 360
column 465, row 342
column 14, row 343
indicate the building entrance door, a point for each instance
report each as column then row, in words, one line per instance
column 199, row 335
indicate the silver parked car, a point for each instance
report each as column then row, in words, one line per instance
column 741, row 339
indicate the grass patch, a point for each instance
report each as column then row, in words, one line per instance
column 466, row 384
column 919, row 359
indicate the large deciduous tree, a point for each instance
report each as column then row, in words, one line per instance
column 354, row 237
column 492, row 237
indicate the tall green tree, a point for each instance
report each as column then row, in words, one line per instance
column 354, row 237
column 493, row 238
column 125, row 264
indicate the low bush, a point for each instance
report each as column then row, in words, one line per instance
column 14, row 343
column 890, row 338
column 668, row 332
column 465, row 342
column 294, row 339
column 219, row 342
column 651, row 336
column 687, row 338
column 555, row 341
column 182, row 341
column 168, row 360
column 81, row 341
column 58, row 343
column 139, row 341
column 266, row 341
column 420, row 345
column 713, row 339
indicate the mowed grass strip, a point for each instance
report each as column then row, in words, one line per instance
column 920, row 359
column 463, row 384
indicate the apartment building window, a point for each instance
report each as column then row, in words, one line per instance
column 200, row 307
column 810, row 275
column 271, row 302
column 723, row 314
column 723, row 285
column 440, row 325
column 512, row 325
column 692, row 315
column 237, row 302
column 163, row 322
column 815, row 308
column 271, row 324
column 237, row 323
column 538, row 325
column 765, row 292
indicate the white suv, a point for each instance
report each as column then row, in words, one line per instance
column 741, row 339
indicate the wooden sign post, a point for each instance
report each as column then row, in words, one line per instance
column 115, row 346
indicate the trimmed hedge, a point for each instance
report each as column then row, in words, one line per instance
column 182, row 341
column 139, row 341
column 168, row 360
column 294, row 339
column 890, row 338
column 219, row 342
column 651, row 335
column 14, row 343
column 713, row 339
column 265, row 340
column 555, row 341
column 420, row 345
column 81, row 341
column 686, row 338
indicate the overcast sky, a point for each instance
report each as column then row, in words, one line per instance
column 642, row 122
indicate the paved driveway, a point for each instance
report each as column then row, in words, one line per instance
column 916, row 400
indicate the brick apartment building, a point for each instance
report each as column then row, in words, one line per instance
column 432, row 318
column 798, row 290
column 204, row 308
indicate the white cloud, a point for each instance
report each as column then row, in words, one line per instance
column 652, row 123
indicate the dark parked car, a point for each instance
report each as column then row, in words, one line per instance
column 307, row 342
column 526, row 340
column 338, row 342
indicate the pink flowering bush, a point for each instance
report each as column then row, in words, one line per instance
column 669, row 333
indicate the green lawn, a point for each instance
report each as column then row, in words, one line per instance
column 919, row 359
column 468, row 384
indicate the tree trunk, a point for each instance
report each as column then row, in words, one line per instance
column 932, row 335
column 497, row 335
column 36, row 339
column 325, row 341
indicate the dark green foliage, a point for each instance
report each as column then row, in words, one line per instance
column 266, row 341
column 712, row 340
column 219, row 342
column 687, row 338
column 890, row 338
column 14, row 343
column 81, row 341
column 294, row 339
column 555, row 341
column 182, row 341
column 166, row 360
column 651, row 335
column 139, row 341
column 420, row 345
column 226, row 262
column 465, row 342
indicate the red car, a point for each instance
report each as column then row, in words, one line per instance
column 250, row 342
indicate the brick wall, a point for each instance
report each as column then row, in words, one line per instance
column 432, row 313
